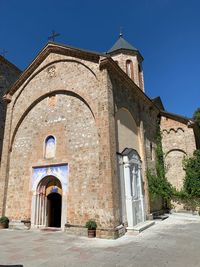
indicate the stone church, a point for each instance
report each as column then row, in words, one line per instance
column 79, row 135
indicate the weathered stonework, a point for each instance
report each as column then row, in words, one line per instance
column 95, row 113
column 8, row 75
column 178, row 140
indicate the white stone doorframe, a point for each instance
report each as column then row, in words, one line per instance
column 133, row 187
column 39, row 210
column 39, row 200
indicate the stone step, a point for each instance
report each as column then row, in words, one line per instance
column 138, row 228
column 161, row 217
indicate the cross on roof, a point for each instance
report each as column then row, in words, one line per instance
column 3, row 52
column 53, row 36
column 121, row 32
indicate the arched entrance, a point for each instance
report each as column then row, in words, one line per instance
column 132, row 193
column 54, row 201
column 48, row 203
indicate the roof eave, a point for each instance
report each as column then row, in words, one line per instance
column 126, row 51
column 176, row 117
column 109, row 61
column 4, row 60
column 46, row 50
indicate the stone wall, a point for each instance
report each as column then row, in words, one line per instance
column 8, row 75
column 71, row 99
column 138, row 76
column 178, row 140
column 145, row 116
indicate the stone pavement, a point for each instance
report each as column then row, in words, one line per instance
column 173, row 242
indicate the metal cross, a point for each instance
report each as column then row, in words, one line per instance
column 121, row 32
column 53, row 36
column 3, row 52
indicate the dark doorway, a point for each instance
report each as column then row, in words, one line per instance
column 54, row 210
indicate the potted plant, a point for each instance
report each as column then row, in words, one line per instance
column 4, row 221
column 91, row 226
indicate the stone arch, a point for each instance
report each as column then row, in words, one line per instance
column 48, row 188
column 126, row 130
column 46, row 66
column 175, row 149
column 181, row 130
column 39, row 100
column 172, row 130
column 165, row 132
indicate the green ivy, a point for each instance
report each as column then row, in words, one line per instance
column 192, row 175
column 196, row 116
column 157, row 182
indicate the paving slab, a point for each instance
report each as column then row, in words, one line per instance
column 173, row 242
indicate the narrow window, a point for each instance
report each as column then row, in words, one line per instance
column 129, row 69
column 140, row 76
column 50, row 147
column 151, row 151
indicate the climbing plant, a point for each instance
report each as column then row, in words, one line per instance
column 158, row 184
column 196, row 116
column 192, row 175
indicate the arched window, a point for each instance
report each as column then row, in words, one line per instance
column 50, row 147
column 151, row 151
column 140, row 76
column 126, row 131
column 129, row 69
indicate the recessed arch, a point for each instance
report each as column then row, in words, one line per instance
column 50, row 147
column 47, row 204
column 46, row 66
column 174, row 167
column 129, row 69
column 126, row 130
column 65, row 92
column 175, row 149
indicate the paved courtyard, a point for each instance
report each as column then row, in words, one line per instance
column 173, row 242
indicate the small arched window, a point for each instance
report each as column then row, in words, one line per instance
column 129, row 69
column 140, row 76
column 50, row 147
column 151, row 151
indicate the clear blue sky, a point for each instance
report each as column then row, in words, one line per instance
column 167, row 33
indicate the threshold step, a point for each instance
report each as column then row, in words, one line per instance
column 138, row 228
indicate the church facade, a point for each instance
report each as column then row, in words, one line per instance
column 79, row 137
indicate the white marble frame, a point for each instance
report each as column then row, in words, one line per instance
column 35, row 199
column 130, row 162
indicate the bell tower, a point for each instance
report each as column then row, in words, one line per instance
column 129, row 59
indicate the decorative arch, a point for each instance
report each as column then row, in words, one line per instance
column 126, row 130
column 172, row 130
column 180, row 130
column 47, row 181
column 65, row 92
column 47, row 66
column 175, row 149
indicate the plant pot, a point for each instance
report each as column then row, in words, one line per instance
column 91, row 233
column 3, row 225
